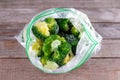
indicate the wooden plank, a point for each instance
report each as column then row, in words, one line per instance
column 12, row 49
column 16, row 15
column 109, row 48
column 94, row 69
column 9, row 32
column 25, row 15
column 103, row 15
column 12, row 26
column 107, row 30
column 57, row 3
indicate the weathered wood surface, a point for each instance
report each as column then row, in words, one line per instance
column 105, row 17
column 24, row 15
column 43, row 4
column 94, row 69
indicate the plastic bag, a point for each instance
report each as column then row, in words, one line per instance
column 88, row 44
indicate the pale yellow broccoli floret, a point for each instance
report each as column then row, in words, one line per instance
column 68, row 57
column 43, row 28
column 37, row 47
column 51, row 65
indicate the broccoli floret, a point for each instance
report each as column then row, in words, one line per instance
column 37, row 47
column 47, row 45
column 63, row 24
column 72, row 40
column 70, row 24
column 40, row 30
column 59, row 55
column 55, row 44
column 74, row 31
column 48, row 64
column 43, row 60
column 56, row 48
column 52, row 25
column 51, row 65
column 68, row 57
column 64, row 48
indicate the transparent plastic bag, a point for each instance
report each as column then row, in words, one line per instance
column 89, row 43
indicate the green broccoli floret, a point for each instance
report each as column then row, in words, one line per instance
column 70, row 24
column 52, row 25
column 59, row 54
column 63, row 24
column 56, row 48
column 64, row 48
column 71, row 40
column 47, row 45
column 48, row 63
column 74, row 31
column 44, row 60
column 40, row 30
column 55, row 44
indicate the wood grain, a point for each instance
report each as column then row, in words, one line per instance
column 12, row 49
column 94, row 69
column 108, row 30
column 25, row 15
column 109, row 48
column 12, row 26
column 57, row 3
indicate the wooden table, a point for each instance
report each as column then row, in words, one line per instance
column 105, row 17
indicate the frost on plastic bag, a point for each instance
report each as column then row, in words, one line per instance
column 89, row 43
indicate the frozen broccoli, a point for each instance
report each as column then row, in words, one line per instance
column 51, row 65
column 48, row 64
column 44, row 60
column 51, row 43
column 40, row 30
column 74, row 31
column 37, row 47
column 63, row 24
column 59, row 54
column 72, row 40
column 52, row 25
column 56, row 48
column 68, row 57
